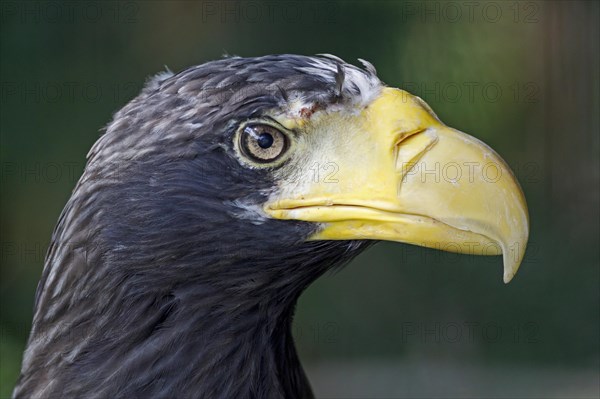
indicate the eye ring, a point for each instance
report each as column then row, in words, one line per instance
column 262, row 143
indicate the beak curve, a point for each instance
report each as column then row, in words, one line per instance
column 402, row 175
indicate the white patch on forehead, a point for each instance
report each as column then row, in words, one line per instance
column 363, row 86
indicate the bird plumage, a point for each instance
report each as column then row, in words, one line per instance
column 161, row 280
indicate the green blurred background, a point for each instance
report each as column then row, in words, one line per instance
column 400, row 321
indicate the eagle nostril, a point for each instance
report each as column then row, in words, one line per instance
column 409, row 149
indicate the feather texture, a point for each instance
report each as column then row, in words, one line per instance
column 157, row 282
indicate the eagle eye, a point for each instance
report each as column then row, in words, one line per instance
column 262, row 143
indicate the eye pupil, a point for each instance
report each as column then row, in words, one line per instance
column 265, row 140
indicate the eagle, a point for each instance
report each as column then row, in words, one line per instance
column 217, row 196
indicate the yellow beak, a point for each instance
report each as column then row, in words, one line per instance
column 402, row 175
